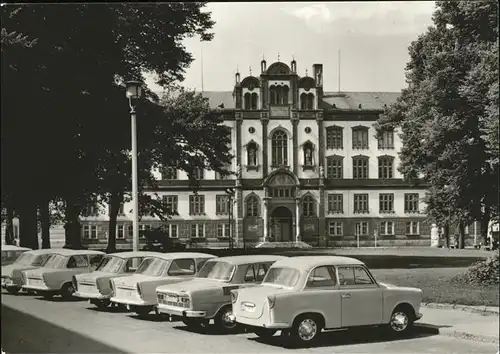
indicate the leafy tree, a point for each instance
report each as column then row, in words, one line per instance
column 445, row 115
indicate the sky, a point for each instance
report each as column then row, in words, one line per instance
column 373, row 39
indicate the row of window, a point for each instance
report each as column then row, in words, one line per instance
column 361, row 205
column 335, row 138
column 124, row 231
column 361, row 228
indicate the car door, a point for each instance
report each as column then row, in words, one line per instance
column 323, row 294
column 361, row 297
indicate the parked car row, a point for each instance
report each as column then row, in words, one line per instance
column 299, row 296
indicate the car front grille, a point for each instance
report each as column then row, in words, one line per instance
column 173, row 299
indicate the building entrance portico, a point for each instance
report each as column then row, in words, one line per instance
column 281, row 207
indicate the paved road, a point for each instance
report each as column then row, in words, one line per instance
column 33, row 325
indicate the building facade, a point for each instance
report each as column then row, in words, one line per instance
column 308, row 167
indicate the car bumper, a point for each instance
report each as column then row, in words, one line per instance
column 180, row 312
column 131, row 302
column 91, row 296
column 259, row 323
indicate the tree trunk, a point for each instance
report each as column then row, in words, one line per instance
column 45, row 223
column 484, row 223
column 28, row 228
column 72, row 226
column 461, row 238
column 114, row 207
column 446, row 231
column 9, row 226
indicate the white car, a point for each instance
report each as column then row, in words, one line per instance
column 137, row 291
column 301, row 296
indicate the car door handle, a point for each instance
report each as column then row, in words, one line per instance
column 346, row 296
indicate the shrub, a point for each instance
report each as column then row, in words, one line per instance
column 486, row 272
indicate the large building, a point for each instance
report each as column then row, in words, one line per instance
column 308, row 165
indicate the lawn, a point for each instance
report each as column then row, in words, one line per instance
column 438, row 287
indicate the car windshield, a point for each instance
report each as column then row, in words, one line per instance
column 217, row 270
column 110, row 264
column 152, row 266
column 282, row 276
column 25, row 259
column 55, row 261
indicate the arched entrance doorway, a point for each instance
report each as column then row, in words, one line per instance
column 281, row 224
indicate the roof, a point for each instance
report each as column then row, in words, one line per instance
column 342, row 100
column 14, row 248
column 245, row 259
column 308, row 262
column 132, row 254
column 68, row 252
column 178, row 255
column 45, row 251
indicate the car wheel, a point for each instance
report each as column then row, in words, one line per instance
column 13, row 290
column 305, row 330
column 264, row 332
column 401, row 322
column 67, row 291
column 141, row 311
column 223, row 321
column 47, row 296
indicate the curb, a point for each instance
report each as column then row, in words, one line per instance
column 432, row 329
column 482, row 310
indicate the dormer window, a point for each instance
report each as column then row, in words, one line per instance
column 307, row 101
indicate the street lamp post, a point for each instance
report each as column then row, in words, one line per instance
column 133, row 93
column 230, row 193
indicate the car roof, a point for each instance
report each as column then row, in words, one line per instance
column 179, row 255
column 14, row 248
column 68, row 252
column 245, row 259
column 45, row 251
column 308, row 262
column 132, row 254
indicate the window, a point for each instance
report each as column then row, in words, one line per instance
column 360, row 138
column 278, row 94
column 360, row 167
column 222, row 205
column 385, row 164
column 386, row 140
column 171, row 230
column 321, row 277
column 198, row 173
column 334, row 167
column 90, row 210
column 89, row 231
column 386, row 202
column 168, row 172
column 308, row 206
column 361, row 228
column 308, row 154
column 130, row 231
column 335, row 228
column 170, row 202
column 279, row 145
column 253, row 205
column 261, row 271
column 120, row 231
column 250, row 275
column 223, row 230
column 354, row 276
column 412, row 228
column 334, row 138
column 95, row 260
column 386, row 228
column 361, row 203
column 78, row 261
column 307, row 101
column 282, row 192
column 255, row 99
column 196, row 204
column 335, row 204
column 247, row 98
column 143, row 229
column 252, row 154
column 411, row 203
column 180, row 267
column 197, row 230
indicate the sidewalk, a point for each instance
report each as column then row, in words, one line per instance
column 460, row 324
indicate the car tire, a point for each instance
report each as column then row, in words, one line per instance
column 264, row 332
column 305, row 331
column 141, row 311
column 47, row 296
column 12, row 290
column 401, row 321
column 222, row 321
column 67, row 291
